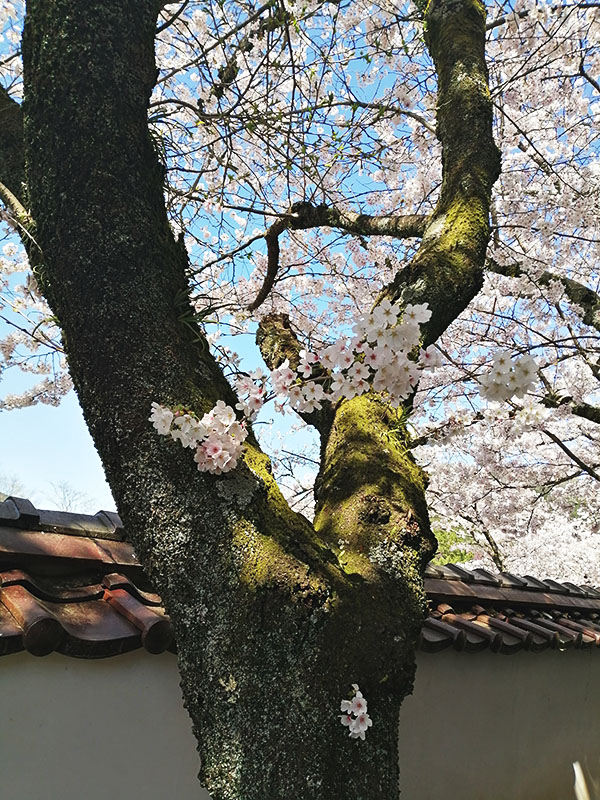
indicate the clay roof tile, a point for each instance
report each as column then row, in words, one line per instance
column 72, row 583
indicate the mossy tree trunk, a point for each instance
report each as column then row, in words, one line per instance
column 272, row 622
column 370, row 492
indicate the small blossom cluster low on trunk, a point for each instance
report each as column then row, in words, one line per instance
column 355, row 715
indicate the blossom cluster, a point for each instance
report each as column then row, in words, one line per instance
column 252, row 391
column 508, row 379
column 355, row 716
column 376, row 357
column 218, row 437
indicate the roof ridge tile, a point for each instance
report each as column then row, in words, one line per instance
column 19, row 510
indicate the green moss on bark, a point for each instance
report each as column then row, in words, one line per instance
column 371, row 493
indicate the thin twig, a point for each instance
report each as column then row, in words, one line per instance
column 172, row 19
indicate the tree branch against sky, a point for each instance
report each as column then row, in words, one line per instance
column 287, row 171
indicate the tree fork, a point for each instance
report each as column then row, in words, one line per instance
column 272, row 629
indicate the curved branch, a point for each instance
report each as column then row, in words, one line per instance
column 172, row 18
column 494, row 550
column 303, row 216
column 272, row 240
column 447, row 271
column 13, row 192
column 588, row 77
column 506, row 18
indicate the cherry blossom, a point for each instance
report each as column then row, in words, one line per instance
column 217, row 438
column 355, row 716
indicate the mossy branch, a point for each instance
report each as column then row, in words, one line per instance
column 447, row 270
column 370, row 492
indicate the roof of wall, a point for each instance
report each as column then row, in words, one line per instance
column 71, row 583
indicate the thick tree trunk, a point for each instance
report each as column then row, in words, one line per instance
column 271, row 627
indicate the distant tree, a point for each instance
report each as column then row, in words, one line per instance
column 11, row 486
column 65, row 497
column 453, row 546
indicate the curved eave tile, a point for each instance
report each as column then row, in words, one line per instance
column 86, row 622
column 155, row 629
column 11, row 635
column 437, row 635
column 116, row 580
column 479, row 635
column 15, row 577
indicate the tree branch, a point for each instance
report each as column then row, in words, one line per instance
column 303, row 216
column 588, row 77
column 306, row 215
column 575, row 458
column 272, row 240
column 173, row 18
column 278, row 342
column 371, row 492
column 12, row 163
column 584, row 410
column 503, row 20
column 18, row 212
column 447, row 271
column 494, row 550
column 576, row 292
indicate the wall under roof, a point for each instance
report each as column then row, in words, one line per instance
column 95, row 729
column 485, row 726
column 480, row 726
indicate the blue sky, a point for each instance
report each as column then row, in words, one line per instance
column 43, row 445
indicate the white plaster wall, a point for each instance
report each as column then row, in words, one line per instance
column 484, row 726
column 108, row 728
column 479, row 727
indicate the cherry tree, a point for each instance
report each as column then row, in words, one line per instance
column 325, row 178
